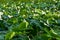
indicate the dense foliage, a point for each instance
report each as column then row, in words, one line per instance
column 30, row 20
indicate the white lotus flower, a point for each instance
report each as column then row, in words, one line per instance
column 10, row 16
